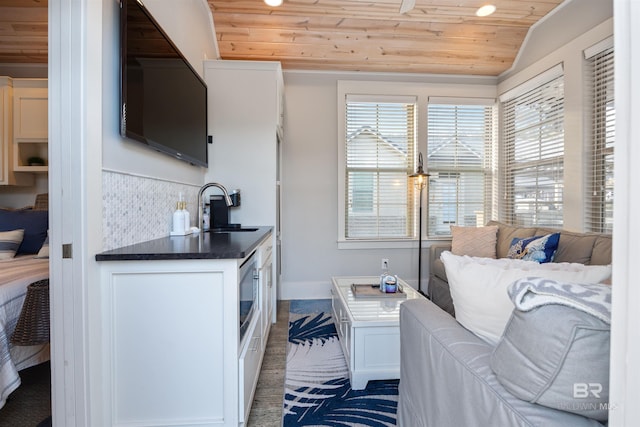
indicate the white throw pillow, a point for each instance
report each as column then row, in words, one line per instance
column 479, row 287
column 10, row 242
column 44, row 250
column 474, row 241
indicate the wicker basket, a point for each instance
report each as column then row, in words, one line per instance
column 33, row 324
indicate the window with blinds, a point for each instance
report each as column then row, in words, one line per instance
column 533, row 154
column 599, row 198
column 460, row 140
column 380, row 155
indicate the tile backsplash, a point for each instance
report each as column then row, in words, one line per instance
column 136, row 208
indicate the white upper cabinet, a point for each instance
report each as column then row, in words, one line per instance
column 8, row 175
column 30, row 125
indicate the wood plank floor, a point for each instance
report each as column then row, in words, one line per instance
column 266, row 410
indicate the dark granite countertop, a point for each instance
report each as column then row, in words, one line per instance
column 220, row 245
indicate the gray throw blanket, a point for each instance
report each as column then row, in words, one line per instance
column 532, row 292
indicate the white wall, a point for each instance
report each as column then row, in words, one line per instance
column 310, row 165
column 310, row 181
column 24, row 70
column 558, row 28
column 577, row 120
column 17, row 197
column 141, row 186
column 189, row 29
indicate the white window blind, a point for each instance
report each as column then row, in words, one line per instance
column 533, row 156
column 460, row 138
column 599, row 198
column 380, row 155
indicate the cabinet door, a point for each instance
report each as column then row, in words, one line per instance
column 266, row 289
column 30, row 113
column 165, row 338
column 250, row 362
column 5, row 141
column 30, row 129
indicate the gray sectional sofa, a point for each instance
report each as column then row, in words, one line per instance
column 446, row 377
column 583, row 248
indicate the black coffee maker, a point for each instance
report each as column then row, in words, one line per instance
column 219, row 211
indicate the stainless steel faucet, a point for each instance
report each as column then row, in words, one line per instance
column 227, row 199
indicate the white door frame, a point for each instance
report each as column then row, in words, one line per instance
column 625, row 335
column 75, row 158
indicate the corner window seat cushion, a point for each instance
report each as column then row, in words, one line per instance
column 479, row 287
column 546, row 352
column 34, row 223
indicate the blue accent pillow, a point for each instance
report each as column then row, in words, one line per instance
column 34, row 223
column 538, row 248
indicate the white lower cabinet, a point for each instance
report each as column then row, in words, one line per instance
column 250, row 362
column 267, row 290
column 168, row 333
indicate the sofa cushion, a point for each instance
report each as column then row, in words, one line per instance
column 556, row 356
column 453, row 384
column 437, row 269
column 479, row 287
column 506, row 233
column 601, row 254
column 474, row 241
column 540, row 249
column 573, row 247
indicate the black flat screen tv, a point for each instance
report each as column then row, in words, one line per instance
column 163, row 100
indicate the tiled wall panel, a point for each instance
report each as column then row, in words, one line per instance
column 136, row 209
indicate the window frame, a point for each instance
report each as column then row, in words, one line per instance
column 600, row 143
column 458, row 169
column 447, row 86
column 508, row 148
column 345, row 170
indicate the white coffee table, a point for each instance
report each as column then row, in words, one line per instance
column 368, row 329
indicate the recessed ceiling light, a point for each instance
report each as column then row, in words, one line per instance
column 274, row 3
column 485, row 10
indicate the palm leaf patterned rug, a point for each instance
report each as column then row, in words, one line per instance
column 317, row 388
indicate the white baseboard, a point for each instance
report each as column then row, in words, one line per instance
column 305, row 290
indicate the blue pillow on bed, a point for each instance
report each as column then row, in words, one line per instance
column 34, row 223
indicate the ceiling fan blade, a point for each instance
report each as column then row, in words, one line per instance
column 407, row 5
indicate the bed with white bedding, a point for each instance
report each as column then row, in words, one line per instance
column 15, row 275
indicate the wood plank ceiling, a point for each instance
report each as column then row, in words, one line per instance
column 436, row 36
column 23, row 31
